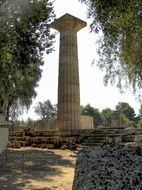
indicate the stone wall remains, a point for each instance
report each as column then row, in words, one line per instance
column 3, row 138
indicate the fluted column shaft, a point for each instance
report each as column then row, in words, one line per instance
column 68, row 86
column 68, row 115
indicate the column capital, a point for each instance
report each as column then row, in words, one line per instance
column 68, row 22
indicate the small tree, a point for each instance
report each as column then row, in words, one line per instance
column 25, row 123
column 46, row 110
column 139, row 125
column 126, row 110
column 106, row 115
column 139, row 118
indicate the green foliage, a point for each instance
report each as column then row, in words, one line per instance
column 93, row 112
column 30, row 122
column 106, row 115
column 127, row 115
column 126, row 110
column 24, row 123
column 139, row 125
column 138, row 119
column 24, row 35
column 120, row 46
column 125, row 121
column 46, row 110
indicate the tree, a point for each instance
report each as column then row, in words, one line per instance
column 26, row 123
column 46, row 110
column 106, row 115
column 139, row 118
column 127, row 112
column 25, row 35
column 120, row 45
column 139, row 125
column 92, row 112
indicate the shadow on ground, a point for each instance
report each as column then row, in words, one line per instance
column 19, row 167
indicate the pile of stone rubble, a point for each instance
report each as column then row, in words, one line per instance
column 109, row 168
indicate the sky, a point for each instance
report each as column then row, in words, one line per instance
column 92, row 89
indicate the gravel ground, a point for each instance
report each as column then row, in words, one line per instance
column 109, row 168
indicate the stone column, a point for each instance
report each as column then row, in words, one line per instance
column 3, row 133
column 68, row 115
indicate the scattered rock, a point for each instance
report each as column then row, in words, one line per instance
column 16, row 144
column 43, row 146
column 50, row 146
column 72, row 146
column 112, row 168
column 64, row 146
column 128, row 138
column 34, row 145
column 129, row 131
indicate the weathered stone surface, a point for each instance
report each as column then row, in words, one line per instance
column 129, row 130
column 110, row 168
column 2, row 119
column 132, row 144
column 50, row 146
column 138, row 138
column 128, row 138
column 64, row 146
column 73, row 138
column 68, row 115
column 16, row 144
column 3, row 133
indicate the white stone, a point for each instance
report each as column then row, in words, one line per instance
column 129, row 131
column 86, row 122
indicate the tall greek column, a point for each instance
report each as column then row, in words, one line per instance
column 68, row 115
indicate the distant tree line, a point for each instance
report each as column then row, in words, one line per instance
column 48, row 111
column 104, row 117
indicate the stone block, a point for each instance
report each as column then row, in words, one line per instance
column 130, row 144
column 50, row 146
column 23, row 143
column 2, row 119
column 138, row 138
column 3, row 138
column 128, row 138
column 16, row 144
column 87, row 122
column 129, row 131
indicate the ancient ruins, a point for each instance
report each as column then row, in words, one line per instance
column 110, row 156
column 4, row 125
column 68, row 116
column 71, row 129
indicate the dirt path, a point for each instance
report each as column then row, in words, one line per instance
column 37, row 169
